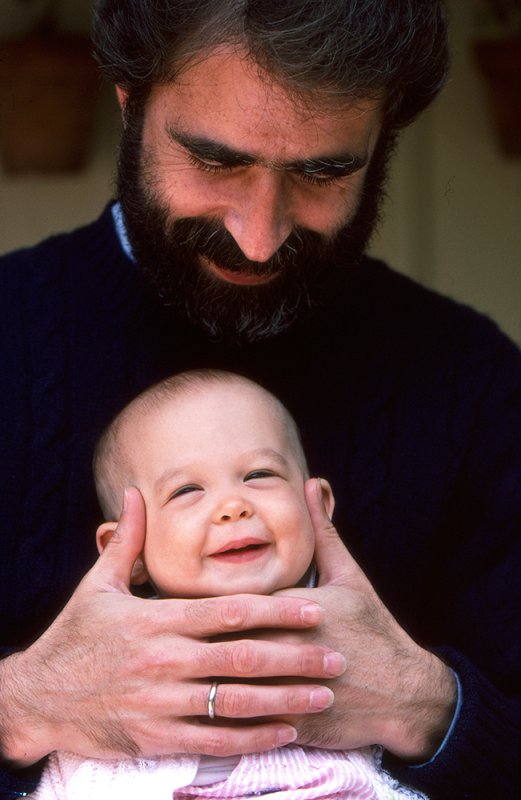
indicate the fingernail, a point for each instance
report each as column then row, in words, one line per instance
column 286, row 735
column 311, row 614
column 321, row 698
column 334, row 664
column 125, row 499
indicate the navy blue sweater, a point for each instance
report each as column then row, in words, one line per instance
column 409, row 403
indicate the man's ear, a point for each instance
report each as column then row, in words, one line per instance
column 122, row 96
column 139, row 572
column 328, row 497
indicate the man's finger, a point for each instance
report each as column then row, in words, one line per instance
column 228, row 615
column 114, row 567
column 244, row 701
column 250, row 658
column 334, row 562
column 229, row 741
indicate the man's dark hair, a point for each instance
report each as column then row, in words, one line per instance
column 334, row 49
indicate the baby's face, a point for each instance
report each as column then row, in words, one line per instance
column 224, row 495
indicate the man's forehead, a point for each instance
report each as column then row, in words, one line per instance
column 224, row 98
column 235, row 68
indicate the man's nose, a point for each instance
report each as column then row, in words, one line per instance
column 232, row 509
column 260, row 219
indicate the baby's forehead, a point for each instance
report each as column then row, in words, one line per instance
column 216, row 394
column 222, row 403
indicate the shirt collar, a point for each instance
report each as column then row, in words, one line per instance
column 121, row 230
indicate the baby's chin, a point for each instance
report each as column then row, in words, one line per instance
column 265, row 586
column 238, row 584
column 259, row 587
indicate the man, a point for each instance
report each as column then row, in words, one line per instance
column 255, row 141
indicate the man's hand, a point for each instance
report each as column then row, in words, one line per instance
column 116, row 675
column 393, row 692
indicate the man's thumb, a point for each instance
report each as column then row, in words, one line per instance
column 332, row 558
column 114, row 566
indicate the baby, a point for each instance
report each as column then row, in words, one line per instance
column 221, row 468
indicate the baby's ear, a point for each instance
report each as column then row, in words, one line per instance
column 139, row 572
column 104, row 534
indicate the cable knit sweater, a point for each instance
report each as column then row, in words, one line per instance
column 409, row 403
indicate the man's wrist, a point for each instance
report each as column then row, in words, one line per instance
column 454, row 719
column 18, row 742
column 427, row 714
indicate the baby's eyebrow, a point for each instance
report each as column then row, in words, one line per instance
column 167, row 475
column 268, row 452
column 211, row 150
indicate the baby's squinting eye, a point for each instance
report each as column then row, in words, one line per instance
column 184, row 490
column 259, row 473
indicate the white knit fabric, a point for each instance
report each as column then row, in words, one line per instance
column 289, row 773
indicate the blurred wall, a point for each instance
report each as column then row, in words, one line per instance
column 453, row 215
column 35, row 205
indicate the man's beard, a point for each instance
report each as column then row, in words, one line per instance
column 307, row 269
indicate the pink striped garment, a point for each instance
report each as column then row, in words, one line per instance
column 296, row 773
column 288, row 773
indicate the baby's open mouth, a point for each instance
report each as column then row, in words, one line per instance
column 239, row 551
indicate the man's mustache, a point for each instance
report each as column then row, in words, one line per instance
column 211, row 239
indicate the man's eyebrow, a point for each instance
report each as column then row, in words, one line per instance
column 342, row 164
column 210, row 150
